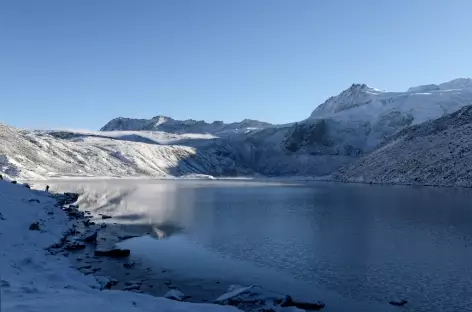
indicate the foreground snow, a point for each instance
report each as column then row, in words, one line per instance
column 33, row 280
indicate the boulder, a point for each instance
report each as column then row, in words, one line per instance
column 27, row 185
column 34, row 226
column 74, row 245
column 106, row 282
column 106, row 216
column 132, row 287
column 256, row 298
column 175, row 294
column 128, row 264
column 114, row 253
column 398, row 303
column 14, row 182
column 34, row 200
column 90, row 237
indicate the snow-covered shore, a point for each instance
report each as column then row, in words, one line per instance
column 34, row 280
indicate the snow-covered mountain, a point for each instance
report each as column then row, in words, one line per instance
column 348, row 126
column 437, row 152
column 25, row 154
column 167, row 124
column 338, row 132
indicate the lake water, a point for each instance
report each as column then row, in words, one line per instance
column 343, row 244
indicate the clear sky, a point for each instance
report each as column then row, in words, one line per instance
column 78, row 64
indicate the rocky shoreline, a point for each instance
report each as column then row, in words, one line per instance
column 90, row 244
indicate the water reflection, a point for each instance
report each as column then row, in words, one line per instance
column 364, row 242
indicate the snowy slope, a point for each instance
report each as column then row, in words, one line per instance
column 36, row 281
column 348, row 126
column 437, row 152
column 26, row 154
column 337, row 133
column 167, row 124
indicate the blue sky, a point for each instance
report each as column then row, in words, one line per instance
column 78, row 64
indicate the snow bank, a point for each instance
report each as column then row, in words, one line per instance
column 34, row 280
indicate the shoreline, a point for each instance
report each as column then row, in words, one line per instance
column 33, row 279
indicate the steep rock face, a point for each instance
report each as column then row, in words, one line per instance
column 167, row 124
column 437, row 152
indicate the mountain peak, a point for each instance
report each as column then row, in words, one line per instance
column 357, row 94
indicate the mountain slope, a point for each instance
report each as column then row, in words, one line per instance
column 437, row 152
column 348, row 126
column 167, row 124
column 26, row 154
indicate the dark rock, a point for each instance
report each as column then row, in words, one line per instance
column 125, row 237
column 256, row 298
column 85, row 267
column 128, row 264
column 90, row 237
column 27, row 185
column 398, row 303
column 106, row 282
column 307, row 305
column 106, row 216
column 34, row 226
column 2, row 217
column 14, row 182
column 103, row 225
column 115, row 253
column 74, row 245
column 132, row 287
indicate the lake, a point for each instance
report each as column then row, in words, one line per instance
column 351, row 246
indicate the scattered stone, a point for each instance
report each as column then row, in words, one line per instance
column 125, row 237
column 86, row 271
column 90, row 237
column 308, row 305
column 85, row 267
column 50, row 213
column 4, row 284
column 257, row 298
column 398, row 303
column 2, row 217
column 74, row 245
column 175, row 294
column 34, row 226
column 106, row 216
column 103, row 225
column 115, row 253
column 78, row 259
column 129, row 264
column 132, row 287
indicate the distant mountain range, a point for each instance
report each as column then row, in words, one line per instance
column 167, row 124
column 362, row 134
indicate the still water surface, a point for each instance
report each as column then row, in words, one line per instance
column 361, row 242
